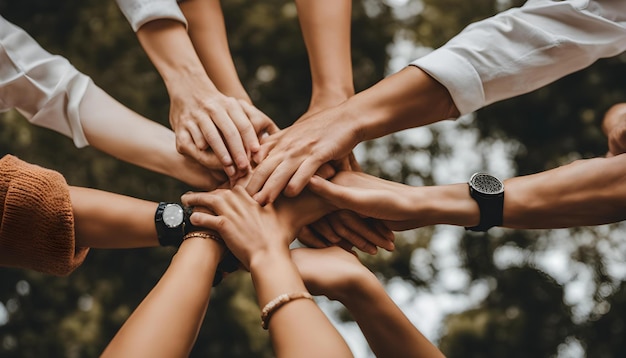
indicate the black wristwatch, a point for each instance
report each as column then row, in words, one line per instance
column 488, row 191
column 172, row 223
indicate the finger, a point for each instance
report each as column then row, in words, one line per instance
column 208, row 159
column 214, row 139
column 335, row 194
column 323, row 229
column 204, row 199
column 346, row 233
column 382, row 229
column 310, row 239
column 300, row 177
column 191, row 130
column 347, row 220
column 261, row 174
column 243, row 123
column 346, row 245
column 269, row 142
column 354, row 164
column 206, row 220
column 230, row 136
column 260, row 121
column 326, row 171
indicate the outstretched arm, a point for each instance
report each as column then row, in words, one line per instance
column 339, row 275
column 116, row 130
column 167, row 321
column 113, row 221
column 326, row 29
column 207, row 32
column 585, row 192
column 200, row 114
column 260, row 237
column 289, row 158
column 558, row 38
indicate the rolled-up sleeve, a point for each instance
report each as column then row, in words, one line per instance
column 525, row 48
column 36, row 219
column 140, row 12
column 45, row 88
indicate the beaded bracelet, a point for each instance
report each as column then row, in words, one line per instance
column 273, row 305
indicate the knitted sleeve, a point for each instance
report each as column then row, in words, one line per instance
column 36, row 219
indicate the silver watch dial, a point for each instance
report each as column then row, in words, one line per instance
column 172, row 215
column 486, row 184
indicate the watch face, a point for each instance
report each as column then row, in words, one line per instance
column 172, row 215
column 486, row 184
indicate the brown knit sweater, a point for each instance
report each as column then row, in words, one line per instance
column 37, row 223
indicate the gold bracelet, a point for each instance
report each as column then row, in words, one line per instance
column 202, row 235
column 273, row 305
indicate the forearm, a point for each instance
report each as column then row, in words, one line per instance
column 113, row 128
column 167, row 321
column 407, row 99
column 207, row 32
column 171, row 51
column 582, row 193
column 585, row 192
column 299, row 328
column 108, row 220
column 326, row 30
column 387, row 330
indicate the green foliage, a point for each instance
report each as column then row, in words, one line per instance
column 524, row 312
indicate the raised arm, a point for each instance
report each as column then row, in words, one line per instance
column 207, row 32
column 200, row 114
column 326, row 29
column 260, row 237
column 338, row 275
column 167, row 321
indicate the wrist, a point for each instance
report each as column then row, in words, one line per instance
column 291, row 212
column 266, row 257
column 358, row 290
column 199, row 251
column 445, row 204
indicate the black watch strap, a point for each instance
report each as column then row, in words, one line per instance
column 488, row 191
column 168, row 236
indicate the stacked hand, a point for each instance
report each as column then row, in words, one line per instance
column 614, row 127
column 230, row 127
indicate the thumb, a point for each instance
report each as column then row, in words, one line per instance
column 334, row 194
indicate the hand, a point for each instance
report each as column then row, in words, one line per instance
column 289, row 158
column 614, row 127
column 246, row 227
column 332, row 272
column 363, row 233
column 369, row 196
column 198, row 176
column 204, row 118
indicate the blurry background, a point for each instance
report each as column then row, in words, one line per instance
column 509, row 294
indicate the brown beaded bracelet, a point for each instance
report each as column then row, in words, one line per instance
column 273, row 305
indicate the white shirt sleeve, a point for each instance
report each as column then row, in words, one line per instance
column 140, row 12
column 45, row 88
column 525, row 48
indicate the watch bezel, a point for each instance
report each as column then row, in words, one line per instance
column 166, row 215
column 479, row 189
